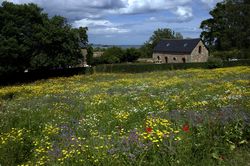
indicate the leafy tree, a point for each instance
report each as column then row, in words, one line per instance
column 31, row 40
column 90, row 60
column 131, row 55
column 18, row 24
column 83, row 37
column 229, row 27
column 117, row 55
column 57, row 45
column 112, row 55
column 158, row 35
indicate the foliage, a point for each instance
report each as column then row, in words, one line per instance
column 90, row 59
column 181, row 117
column 29, row 39
column 229, row 27
column 112, row 55
column 82, row 35
column 16, row 39
column 140, row 68
column 117, row 55
column 158, row 35
column 232, row 54
column 130, row 55
column 57, row 45
column 99, row 49
column 226, row 55
column 214, row 62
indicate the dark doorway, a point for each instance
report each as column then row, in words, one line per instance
column 158, row 58
column 166, row 59
column 184, row 60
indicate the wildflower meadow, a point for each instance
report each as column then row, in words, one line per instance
column 182, row 117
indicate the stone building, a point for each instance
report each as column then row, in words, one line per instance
column 180, row 51
column 97, row 54
column 83, row 60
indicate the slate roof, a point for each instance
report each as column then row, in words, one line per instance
column 176, row 46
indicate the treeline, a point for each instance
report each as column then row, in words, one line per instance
column 227, row 33
column 117, row 55
column 29, row 39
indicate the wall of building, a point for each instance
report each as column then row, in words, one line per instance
column 200, row 53
column 84, row 58
column 97, row 54
column 171, row 58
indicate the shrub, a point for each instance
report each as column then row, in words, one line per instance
column 225, row 55
column 131, row 55
column 112, row 55
column 214, row 62
column 138, row 68
column 232, row 54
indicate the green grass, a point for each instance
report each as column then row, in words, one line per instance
column 182, row 117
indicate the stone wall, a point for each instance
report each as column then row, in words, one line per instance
column 200, row 53
column 145, row 60
column 97, row 54
column 171, row 58
column 84, row 58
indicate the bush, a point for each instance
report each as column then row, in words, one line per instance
column 131, row 55
column 214, row 62
column 112, row 55
column 242, row 62
column 117, row 55
column 140, row 67
column 232, row 54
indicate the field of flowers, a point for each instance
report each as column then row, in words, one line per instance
column 182, row 117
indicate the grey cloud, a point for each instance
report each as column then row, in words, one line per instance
column 210, row 3
column 76, row 9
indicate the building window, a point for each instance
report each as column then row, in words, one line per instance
column 184, row 60
column 174, row 59
column 158, row 58
column 166, row 59
column 199, row 49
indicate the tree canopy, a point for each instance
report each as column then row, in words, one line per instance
column 114, row 55
column 29, row 39
column 229, row 27
column 158, row 35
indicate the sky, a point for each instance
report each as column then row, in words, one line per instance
column 129, row 22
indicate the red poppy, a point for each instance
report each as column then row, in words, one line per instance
column 185, row 127
column 149, row 129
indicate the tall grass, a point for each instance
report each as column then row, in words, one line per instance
column 183, row 117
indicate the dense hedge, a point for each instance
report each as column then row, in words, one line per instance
column 245, row 62
column 137, row 68
column 14, row 78
column 108, row 68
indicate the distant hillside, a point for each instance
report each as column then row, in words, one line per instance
column 121, row 46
